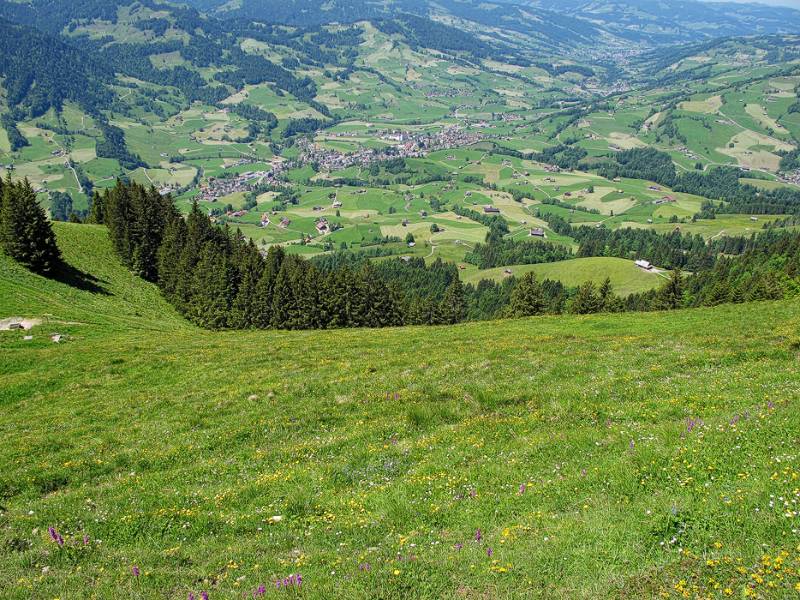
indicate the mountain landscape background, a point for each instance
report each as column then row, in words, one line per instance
column 399, row 299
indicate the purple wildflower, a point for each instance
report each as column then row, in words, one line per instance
column 473, row 493
column 204, row 595
column 85, row 540
column 478, row 535
column 190, row 596
column 53, row 533
column 364, row 567
column 293, row 580
column 690, row 423
column 632, row 445
column 135, row 571
column 489, row 552
column 260, row 591
column 770, row 405
column 522, row 488
column 458, row 546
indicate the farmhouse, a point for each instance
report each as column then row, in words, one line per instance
column 337, row 204
column 537, row 232
column 643, row 264
column 322, row 226
column 491, row 210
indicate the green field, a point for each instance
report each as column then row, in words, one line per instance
column 625, row 276
column 628, row 456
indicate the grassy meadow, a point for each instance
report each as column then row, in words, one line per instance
column 628, row 456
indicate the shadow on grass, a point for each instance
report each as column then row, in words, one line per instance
column 69, row 275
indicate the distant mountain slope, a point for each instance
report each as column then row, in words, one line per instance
column 567, row 24
column 40, row 71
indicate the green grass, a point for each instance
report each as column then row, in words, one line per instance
column 97, row 292
column 625, row 276
column 171, row 448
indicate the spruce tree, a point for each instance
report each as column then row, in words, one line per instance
column 169, row 257
column 210, row 289
column 25, row 233
column 527, row 299
column 453, row 308
column 250, row 267
column 586, row 301
column 670, row 296
column 265, row 288
column 97, row 210
column 382, row 308
column 284, row 302
column 335, row 297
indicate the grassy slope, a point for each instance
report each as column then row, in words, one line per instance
column 97, row 290
column 625, row 276
column 172, row 451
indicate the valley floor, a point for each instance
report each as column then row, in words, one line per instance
column 630, row 455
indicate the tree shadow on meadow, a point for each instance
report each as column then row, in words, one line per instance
column 73, row 277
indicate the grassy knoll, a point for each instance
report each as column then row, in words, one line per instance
column 625, row 276
column 604, row 456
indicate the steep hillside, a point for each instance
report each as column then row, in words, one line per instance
column 94, row 290
column 607, row 456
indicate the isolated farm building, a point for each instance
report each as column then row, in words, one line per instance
column 643, row 264
column 285, row 222
column 337, row 204
column 537, row 232
column 491, row 209
column 322, row 226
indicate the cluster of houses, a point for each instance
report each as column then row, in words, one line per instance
column 217, row 187
column 793, row 178
column 436, row 92
column 410, row 145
